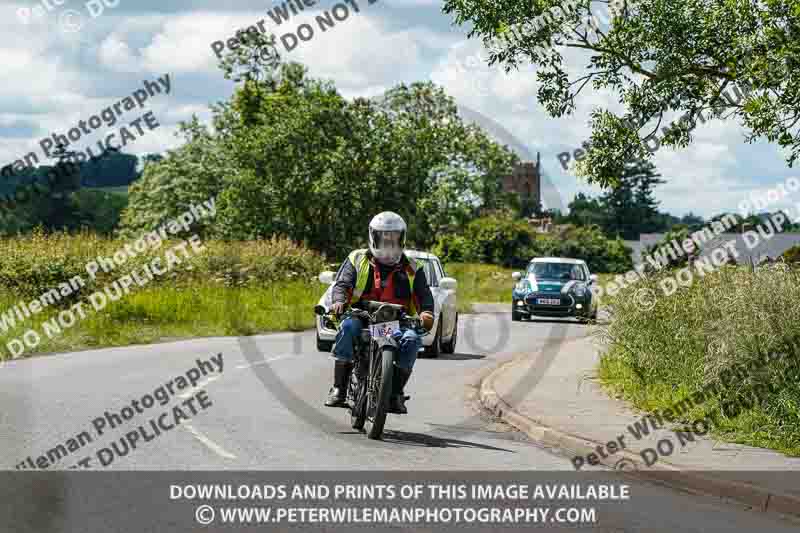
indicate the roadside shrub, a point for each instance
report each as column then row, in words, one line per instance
column 497, row 239
column 792, row 255
column 590, row 244
column 730, row 319
column 511, row 242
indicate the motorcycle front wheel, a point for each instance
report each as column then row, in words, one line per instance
column 380, row 392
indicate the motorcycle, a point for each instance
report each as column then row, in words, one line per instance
column 370, row 387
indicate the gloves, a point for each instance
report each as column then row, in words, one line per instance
column 338, row 308
column 427, row 320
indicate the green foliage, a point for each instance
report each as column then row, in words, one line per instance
column 660, row 355
column 196, row 309
column 480, row 283
column 792, row 255
column 113, row 169
column 626, row 209
column 35, row 263
column 98, row 210
column 291, row 157
column 59, row 203
column 503, row 240
column 630, row 205
column 590, row 244
column 735, row 59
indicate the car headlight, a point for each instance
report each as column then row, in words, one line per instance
column 580, row 291
column 525, row 286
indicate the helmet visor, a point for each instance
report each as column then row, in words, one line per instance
column 388, row 245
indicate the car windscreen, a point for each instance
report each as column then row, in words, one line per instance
column 559, row 271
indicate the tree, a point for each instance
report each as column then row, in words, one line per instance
column 692, row 221
column 585, row 211
column 290, row 156
column 630, row 206
column 659, row 56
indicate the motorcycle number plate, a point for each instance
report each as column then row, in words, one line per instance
column 384, row 329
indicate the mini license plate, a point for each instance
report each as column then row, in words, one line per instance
column 384, row 329
column 548, row 301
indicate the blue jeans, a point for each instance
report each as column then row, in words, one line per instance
column 409, row 343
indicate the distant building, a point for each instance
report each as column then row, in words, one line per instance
column 526, row 181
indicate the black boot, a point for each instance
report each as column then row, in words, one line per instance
column 397, row 404
column 337, row 396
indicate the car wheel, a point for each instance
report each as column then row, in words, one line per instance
column 435, row 348
column 324, row 346
column 450, row 346
column 515, row 317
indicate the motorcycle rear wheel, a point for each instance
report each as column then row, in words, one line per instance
column 358, row 386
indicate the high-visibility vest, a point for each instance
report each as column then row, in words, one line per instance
column 361, row 262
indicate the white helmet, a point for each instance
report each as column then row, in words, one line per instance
column 387, row 237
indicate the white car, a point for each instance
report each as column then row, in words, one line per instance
column 444, row 334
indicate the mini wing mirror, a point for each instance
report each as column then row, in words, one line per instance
column 326, row 277
column 593, row 278
column 448, row 284
column 516, row 276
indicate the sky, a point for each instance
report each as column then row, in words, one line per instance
column 64, row 63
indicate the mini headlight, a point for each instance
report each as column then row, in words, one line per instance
column 580, row 291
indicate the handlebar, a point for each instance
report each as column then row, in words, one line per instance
column 368, row 310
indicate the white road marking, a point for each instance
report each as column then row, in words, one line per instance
column 210, row 444
column 202, row 384
column 249, row 365
column 194, row 390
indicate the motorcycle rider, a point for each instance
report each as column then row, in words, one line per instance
column 381, row 273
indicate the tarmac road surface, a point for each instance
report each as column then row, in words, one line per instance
column 264, row 411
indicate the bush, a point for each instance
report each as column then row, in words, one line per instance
column 509, row 242
column 731, row 318
column 590, row 244
column 792, row 255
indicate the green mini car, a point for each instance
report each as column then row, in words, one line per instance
column 554, row 287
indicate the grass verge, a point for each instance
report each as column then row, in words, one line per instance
column 480, row 283
column 167, row 312
column 716, row 332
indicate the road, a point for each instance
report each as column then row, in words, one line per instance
column 264, row 412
